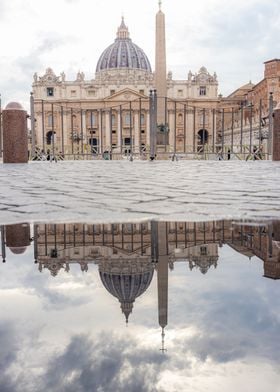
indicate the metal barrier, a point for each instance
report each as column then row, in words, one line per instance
column 129, row 130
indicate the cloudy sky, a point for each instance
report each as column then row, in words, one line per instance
column 232, row 37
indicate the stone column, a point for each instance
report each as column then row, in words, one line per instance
column 65, row 128
column 15, row 137
column 171, row 120
column 84, row 126
column 136, row 131
column 119, row 132
column 107, row 130
column 100, row 127
column 148, row 129
column 276, row 134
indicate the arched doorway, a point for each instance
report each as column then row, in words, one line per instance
column 50, row 137
column 203, row 136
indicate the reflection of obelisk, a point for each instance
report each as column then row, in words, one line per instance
column 162, row 277
column 160, row 66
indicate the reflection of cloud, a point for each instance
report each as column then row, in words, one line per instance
column 48, row 289
column 107, row 364
column 8, row 354
column 112, row 363
column 238, row 326
column 220, row 324
column 8, row 346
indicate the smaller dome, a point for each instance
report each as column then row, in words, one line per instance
column 14, row 106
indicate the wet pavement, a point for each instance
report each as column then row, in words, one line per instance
column 104, row 191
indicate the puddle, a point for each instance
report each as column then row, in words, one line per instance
column 151, row 306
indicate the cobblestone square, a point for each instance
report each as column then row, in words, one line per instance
column 106, row 191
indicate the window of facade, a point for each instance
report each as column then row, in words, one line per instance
column 203, row 118
column 112, row 92
column 202, row 90
column 74, row 121
column 180, row 93
column 127, row 141
column 141, row 92
column 127, row 119
column 142, row 121
column 50, row 120
column 50, row 91
column 113, row 119
column 203, row 250
column 73, row 93
column 91, row 93
column 180, row 118
column 92, row 119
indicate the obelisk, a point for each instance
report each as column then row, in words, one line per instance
column 160, row 66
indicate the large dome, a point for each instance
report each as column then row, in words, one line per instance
column 123, row 53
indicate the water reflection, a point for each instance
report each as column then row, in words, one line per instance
column 127, row 254
column 130, row 258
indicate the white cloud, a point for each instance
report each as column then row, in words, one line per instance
column 233, row 38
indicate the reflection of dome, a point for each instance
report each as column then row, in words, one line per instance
column 17, row 250
column 123, row 53
column 126, row 280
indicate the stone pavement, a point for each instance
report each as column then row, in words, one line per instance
column 119, row 191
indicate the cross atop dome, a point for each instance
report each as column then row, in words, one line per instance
column 159, row 4
column 123, row 32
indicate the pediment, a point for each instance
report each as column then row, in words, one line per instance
column 126, row 94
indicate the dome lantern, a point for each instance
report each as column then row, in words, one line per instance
column 123, row 32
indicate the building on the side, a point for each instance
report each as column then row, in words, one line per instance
column 248, row 110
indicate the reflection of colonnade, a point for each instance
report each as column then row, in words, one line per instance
column 127, row 254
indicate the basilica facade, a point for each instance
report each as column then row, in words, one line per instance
column 111, row 112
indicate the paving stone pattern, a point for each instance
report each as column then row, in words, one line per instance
column 119, row 191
